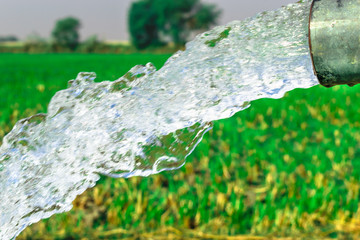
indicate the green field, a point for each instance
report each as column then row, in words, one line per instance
column 287, row 167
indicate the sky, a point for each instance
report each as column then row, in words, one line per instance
column 107, row 19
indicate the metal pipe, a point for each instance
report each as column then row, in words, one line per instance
column 334, row 38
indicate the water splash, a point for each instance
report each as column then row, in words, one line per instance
column 147, row 121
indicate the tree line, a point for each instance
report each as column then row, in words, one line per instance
column 151, row 23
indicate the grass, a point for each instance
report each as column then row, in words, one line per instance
column 282, row 168
column 222, row 35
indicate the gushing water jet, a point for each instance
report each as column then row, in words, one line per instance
column 149, row 121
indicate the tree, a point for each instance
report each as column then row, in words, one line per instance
column 66, row 32
column 152, row 22
column 142, row 24
column 9, row 38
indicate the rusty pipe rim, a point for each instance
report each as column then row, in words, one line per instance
column 334, row 41
column 309, row 39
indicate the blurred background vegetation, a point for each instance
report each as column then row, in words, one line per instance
column 154, row 25
column 160, row 22
column 282, row 168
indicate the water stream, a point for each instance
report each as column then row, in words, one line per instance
column 147, row 121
